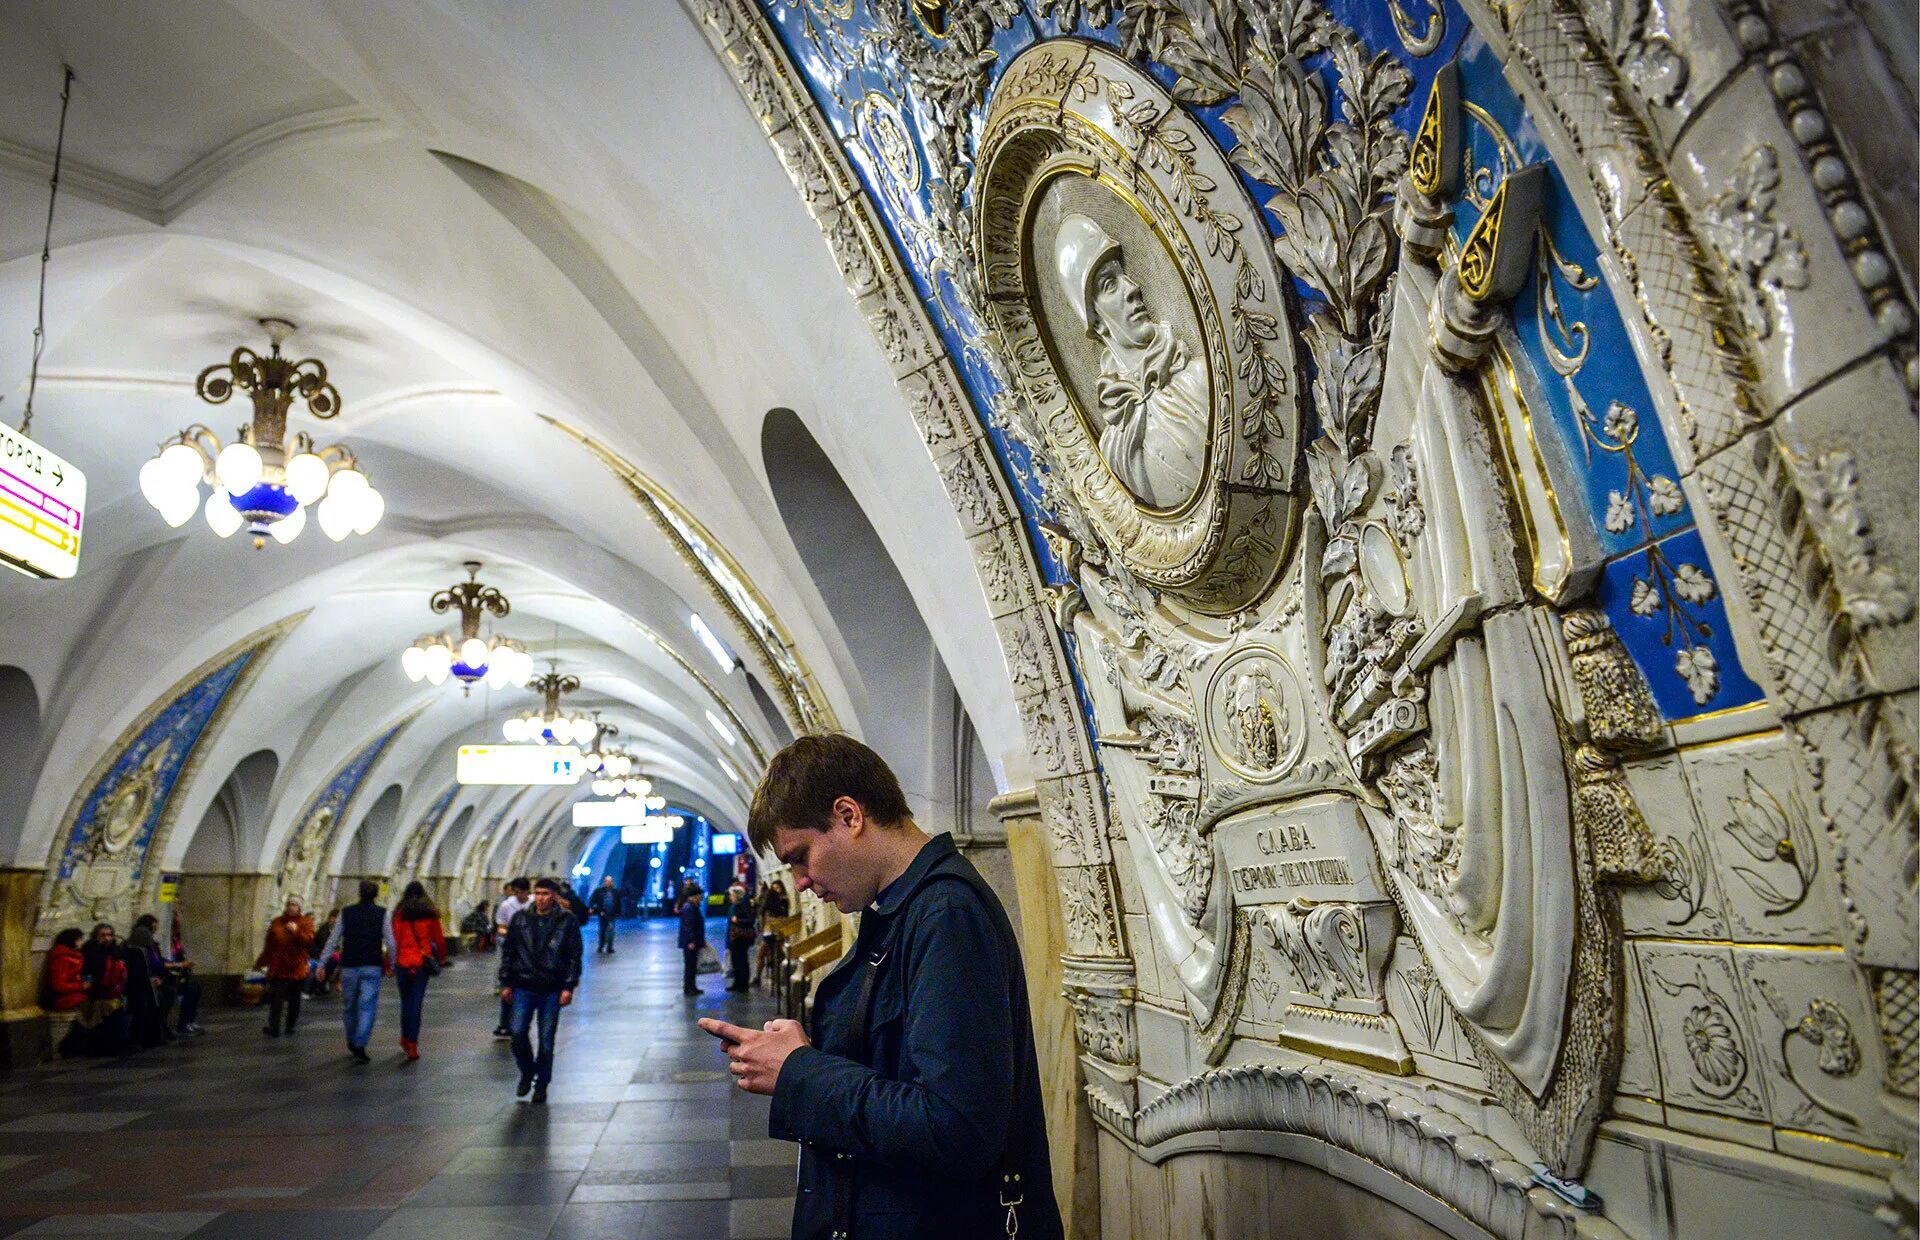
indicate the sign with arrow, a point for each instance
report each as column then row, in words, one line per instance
column 41, row 501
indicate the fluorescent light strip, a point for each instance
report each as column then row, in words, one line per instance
column 712, row 642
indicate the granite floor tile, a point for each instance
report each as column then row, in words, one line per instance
column 240, row 1137
column 759, row 1218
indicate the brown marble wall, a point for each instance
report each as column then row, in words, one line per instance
column 23, row 1027
column 226, row 918
column 1070, row 1128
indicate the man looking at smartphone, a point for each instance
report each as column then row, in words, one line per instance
column 539, row 969
column 915, row 1096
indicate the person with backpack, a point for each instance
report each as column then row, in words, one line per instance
column 420, row 952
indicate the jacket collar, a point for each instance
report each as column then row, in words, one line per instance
column 937, row 849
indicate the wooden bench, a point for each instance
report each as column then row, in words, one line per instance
column 808, row 955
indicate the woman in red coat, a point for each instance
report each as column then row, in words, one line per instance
column 287, row 964
column 420, row 951
column 66, row 986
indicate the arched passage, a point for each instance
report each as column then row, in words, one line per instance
column 910, row 703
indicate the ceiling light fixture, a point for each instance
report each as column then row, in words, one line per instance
column 719, row 725
column 551, row 725
column 263, row 479
column 467, row 656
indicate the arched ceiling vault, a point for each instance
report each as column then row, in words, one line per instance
column 480, row 271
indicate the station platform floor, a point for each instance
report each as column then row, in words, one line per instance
column 236, row 1135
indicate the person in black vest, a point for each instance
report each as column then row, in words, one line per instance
column 364, row 938
column 606, row 906
column 539, row 970
column 916, row 1094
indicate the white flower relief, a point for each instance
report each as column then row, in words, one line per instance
column 1664, row 497
column 1619, row 517
column 1646, row 599
column 1700, row 670
column 1622, row 424
column 1693, row 585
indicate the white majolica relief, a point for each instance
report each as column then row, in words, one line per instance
column 1365, row 751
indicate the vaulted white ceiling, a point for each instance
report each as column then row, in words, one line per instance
column 477, row 214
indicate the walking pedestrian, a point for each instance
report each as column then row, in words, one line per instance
column 517, row 897
column 693, row 934
column 539, row 970
column 739, row 934
column 420, row 952
column 773, row 906
column 288, row 963
column 605, row 905
column 916, row 1094
column 364, row 938
column 571, row 901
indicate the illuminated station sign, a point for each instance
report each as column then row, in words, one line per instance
column 519, row 764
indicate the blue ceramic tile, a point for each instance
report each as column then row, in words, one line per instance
column 337, row 793
column 1667, row 608
column 1569, row 329
column 165, row 744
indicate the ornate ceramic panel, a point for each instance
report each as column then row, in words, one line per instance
column 99, row 870
column 1395, row 399
column 415, row 849
column 317, row 831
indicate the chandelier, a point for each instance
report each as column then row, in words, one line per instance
column 600, row 759
column 631, row 786
column 550, row 725
column 467, row 656
column 263, row 479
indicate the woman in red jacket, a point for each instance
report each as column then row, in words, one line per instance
column 287, row 964
column 66, row 986
column 101, row 1028
column 420, row 951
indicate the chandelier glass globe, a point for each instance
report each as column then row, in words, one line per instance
column 265, row 478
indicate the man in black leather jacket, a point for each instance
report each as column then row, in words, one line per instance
column 539, row 971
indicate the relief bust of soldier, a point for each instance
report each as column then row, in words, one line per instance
column 1152, row 398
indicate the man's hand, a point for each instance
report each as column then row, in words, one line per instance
column 757, row 1054
column 506, row 992
column 566, row 998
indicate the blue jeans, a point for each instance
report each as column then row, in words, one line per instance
column 359, row 999
column 527, row 1004
column 413, row 997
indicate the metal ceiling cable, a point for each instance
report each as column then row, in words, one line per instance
column 46, row 250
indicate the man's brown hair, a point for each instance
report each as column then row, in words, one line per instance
column 809, row 775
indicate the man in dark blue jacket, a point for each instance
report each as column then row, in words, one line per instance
column 916, row 1094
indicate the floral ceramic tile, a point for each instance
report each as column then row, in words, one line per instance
column 1702, row 1032
column 1772, row 863
column 1815, row 1029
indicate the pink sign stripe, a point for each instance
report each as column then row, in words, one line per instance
column 64, row 513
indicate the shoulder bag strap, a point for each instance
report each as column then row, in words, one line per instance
column 1012, row 1161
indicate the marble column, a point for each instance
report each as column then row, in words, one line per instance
column 226, row 918
column 23, row 1026
column 1070, row 1129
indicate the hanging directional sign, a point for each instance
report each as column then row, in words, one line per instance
column 519, row 764
column 41, row 499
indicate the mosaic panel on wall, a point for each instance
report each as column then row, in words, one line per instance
column 125, row 810
column 1424, row 464
column 316, row 832
column 414, row 852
